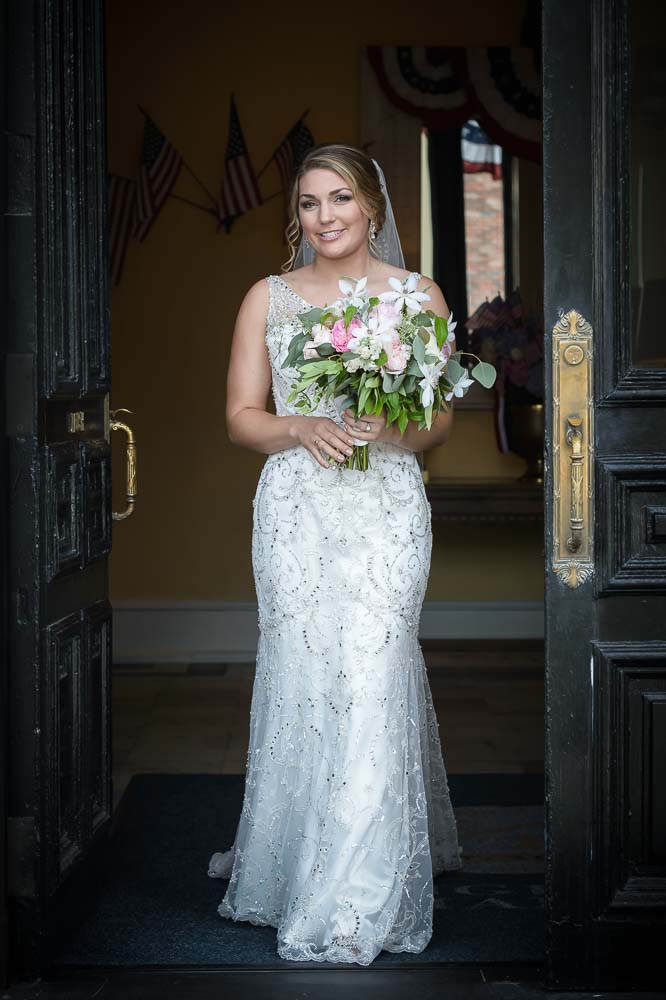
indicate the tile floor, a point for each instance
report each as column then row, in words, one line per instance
column 194, row 717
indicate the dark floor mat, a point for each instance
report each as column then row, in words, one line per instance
column 156, row 905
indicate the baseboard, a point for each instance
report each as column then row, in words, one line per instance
column 226, row 631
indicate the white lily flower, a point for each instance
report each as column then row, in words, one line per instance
column 458, row 388
column 405, row 295
column 433, row 348
column 450, row 327
column 431, row 373
column 354, row 291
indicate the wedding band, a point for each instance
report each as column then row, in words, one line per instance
column 367, row 427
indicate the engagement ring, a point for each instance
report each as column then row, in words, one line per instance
column 367, row 427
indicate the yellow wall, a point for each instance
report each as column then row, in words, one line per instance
column 172, row 315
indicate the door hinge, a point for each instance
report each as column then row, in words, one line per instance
column 21, row 852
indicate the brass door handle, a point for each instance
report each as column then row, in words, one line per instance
column 572, row 478
column 131, row 494
column 574, row 438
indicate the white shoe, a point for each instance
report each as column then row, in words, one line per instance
column 221, row 864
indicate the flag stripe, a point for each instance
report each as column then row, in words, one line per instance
column 239, row 191
column 158, row 172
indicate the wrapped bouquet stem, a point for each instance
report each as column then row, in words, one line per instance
column 379, row 354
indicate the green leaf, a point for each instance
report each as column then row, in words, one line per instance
column 403, row 420
column 311, row 317
column 373, row 381
column 453, row 370
column 349, row 314
column 418, row 348
column 295, row 349
column 325, row 350
column 428, row 416
column 485, row 374
column 318, row 367
column 440, row 330
column 422, row 319
column 387, row 382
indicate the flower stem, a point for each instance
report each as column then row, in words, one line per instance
column 358, row 458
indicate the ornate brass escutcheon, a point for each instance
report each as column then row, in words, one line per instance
column 131, row 493
column 573, row 449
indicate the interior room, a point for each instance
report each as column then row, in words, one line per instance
column 468, row 203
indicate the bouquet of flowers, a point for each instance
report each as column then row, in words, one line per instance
column 382, row 353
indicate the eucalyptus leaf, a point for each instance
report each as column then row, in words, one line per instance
column 485, row 374
column 418, row 348
column 454, row 371
column 311, row 317
column 387, row 382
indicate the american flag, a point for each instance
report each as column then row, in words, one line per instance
column 121, row 195
column 291, row 152
column 240, row 190
column 478, row 152
column 158, row 172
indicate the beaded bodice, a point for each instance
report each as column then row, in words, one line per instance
column 284, row 304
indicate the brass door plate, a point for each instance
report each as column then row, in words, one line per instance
column 573, row 449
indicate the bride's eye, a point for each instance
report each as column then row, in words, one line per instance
column 343, row 197
column 307, row 204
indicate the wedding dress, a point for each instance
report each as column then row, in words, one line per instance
column 346, row 815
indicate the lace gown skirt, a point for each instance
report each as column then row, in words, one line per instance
column 346, row 814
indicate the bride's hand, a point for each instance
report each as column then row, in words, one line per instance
column 369, row 427
column 323, row 437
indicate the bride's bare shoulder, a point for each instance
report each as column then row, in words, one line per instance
column 255, row 301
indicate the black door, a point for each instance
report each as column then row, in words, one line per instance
column 605, row 303
column 58, row 471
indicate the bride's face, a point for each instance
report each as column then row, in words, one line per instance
column 330, row 215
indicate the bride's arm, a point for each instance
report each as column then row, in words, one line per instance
column 249, row 424
column 413, row 439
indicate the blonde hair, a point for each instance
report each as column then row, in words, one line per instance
column 358, row 171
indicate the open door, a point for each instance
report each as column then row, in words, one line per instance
column 605, row 303
column 58, row 463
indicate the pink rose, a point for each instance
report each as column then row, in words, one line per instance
column 320, row 335
column 396, row 354
column 340, row 336
column 388, row 315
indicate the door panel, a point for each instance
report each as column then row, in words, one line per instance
column 605, row 632
column 59, row 465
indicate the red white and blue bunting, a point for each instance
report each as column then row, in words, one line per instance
column 444, row 87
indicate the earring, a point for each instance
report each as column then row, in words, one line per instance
column 306, row 243
column 373, row 230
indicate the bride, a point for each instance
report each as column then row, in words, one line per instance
column 346, row 814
